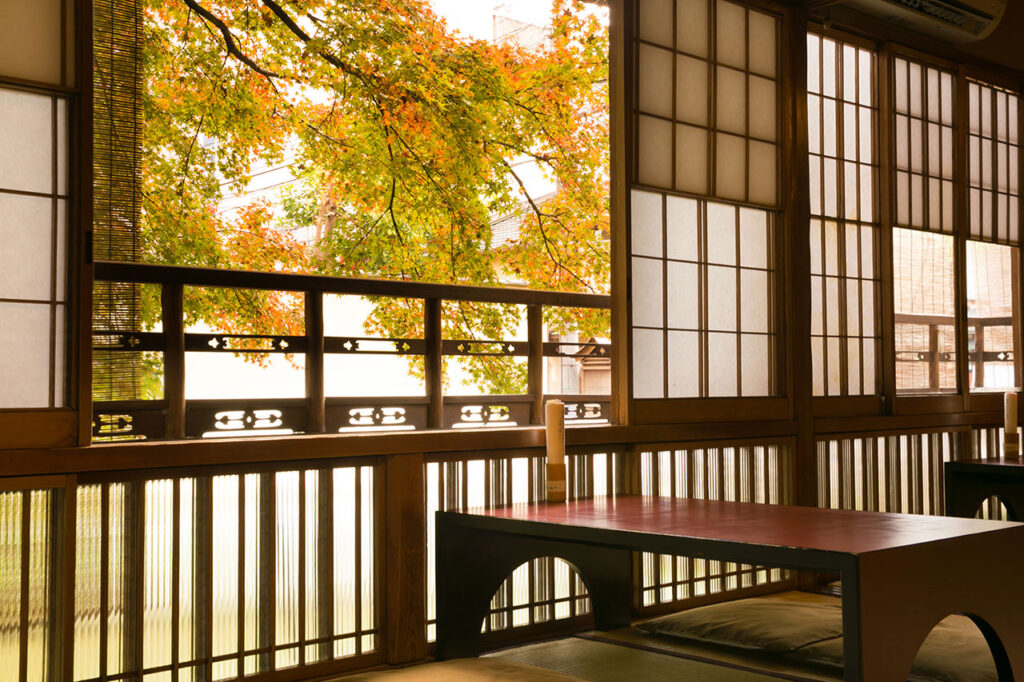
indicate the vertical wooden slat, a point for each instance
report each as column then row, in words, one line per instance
column 267, row 571
column 26, row 536
column 314, row 307
column 433, row 369
column 325, row 563
column 64, row 664
column 240, row 575
column 174, row 358
column 175, row 577
column 301, row 597
column 203, row 590
column 104, row 575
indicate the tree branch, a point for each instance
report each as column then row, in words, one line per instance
column 229, row 39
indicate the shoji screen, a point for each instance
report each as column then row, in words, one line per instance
column 842, row 115
column 35, row 81
column 922, row 242
column 993, row 198
column 33, row 225
column 704, row 186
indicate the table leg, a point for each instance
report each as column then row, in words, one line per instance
column 904, row 593
column 472, row 563
column 964, row 494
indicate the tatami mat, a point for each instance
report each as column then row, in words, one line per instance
column 605, row 662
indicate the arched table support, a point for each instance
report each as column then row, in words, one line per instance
column 466, row 583
column 968, row 484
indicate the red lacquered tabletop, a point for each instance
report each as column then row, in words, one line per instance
column 761, row 524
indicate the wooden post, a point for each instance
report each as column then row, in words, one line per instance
column 315, row 361
column 433, row 368
column 405, row 553
column 933, row 357
column 535, row 368
column 171, row 298
column 886, row 190
column 795, row 250
column 979, row 358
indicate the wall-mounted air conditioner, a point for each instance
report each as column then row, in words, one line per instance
column 955, row 21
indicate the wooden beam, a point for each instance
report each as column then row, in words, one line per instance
column 797, row 256
column 404, row 559
column 113, row 271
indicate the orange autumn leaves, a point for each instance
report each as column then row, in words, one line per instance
column 406, row 140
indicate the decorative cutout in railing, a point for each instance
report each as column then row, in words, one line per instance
column 377, row 416
column 135, row 341
column 337, row 344
column 143, row 420
column 585, row 411
column 219, row 418
column 243, row 343
column 486, row 348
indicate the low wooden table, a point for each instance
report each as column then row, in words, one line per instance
column 901, row 574
column 970, row 483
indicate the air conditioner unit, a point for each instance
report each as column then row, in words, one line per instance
column 955, row 21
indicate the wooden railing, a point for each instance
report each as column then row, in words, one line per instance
column 174, row 417
column 934, row 356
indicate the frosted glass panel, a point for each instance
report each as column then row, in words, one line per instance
column 26, row 225
column 24, row 355
column 731, row 173
column 683, row 296
column 655, row 152
column 30, row 39
column 721, row 365
column 753, row 238
column 755, row 372
column 656, row 21
column 655, row 89
column 731, row 47
column 762, row 173
column 762, row 108
column 683, row 365
column 646, row 224
column 691, row 90
column 754, row 306
column 721, row 298
column 692, row 24
column 647, row 293
column 682, row 228
column 762, row 48
column 732, row 100
column 721, row 238
column 648, row 363
column 691, row 159
column 26, row 142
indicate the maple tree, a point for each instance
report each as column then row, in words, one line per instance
column 403, row 136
